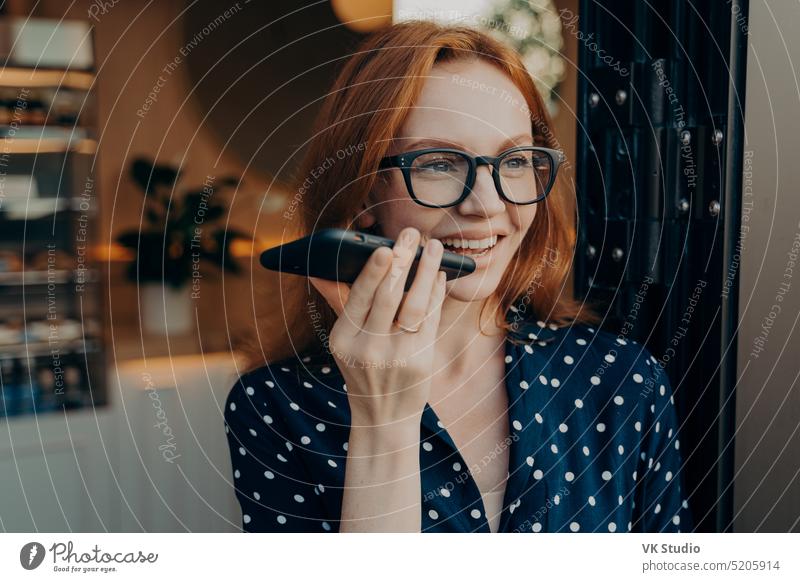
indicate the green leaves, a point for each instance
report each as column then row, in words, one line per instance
column 177, row 231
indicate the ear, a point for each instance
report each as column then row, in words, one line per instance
column 366, row 220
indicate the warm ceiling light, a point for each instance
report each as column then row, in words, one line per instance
column 363, row 15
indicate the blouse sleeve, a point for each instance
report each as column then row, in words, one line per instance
column 663, row 505
column 270, row 481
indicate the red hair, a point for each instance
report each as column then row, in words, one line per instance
column 373, row 94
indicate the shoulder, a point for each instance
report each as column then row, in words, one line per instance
column 283, row 385
column 620, row 371
column 286, row 373
column 606, row 354
column 582, row 356
column 262, row 380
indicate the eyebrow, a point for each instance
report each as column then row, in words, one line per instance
column 436, row 142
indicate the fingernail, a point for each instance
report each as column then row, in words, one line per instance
column 407, row 238
column 432, row 247
column 382, row 259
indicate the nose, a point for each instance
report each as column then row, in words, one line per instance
column 484, row 200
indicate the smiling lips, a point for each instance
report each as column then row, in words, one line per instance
column 473, row 247
column 463, row 243
column 470, row 247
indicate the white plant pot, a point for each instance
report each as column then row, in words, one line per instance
column 166, row 310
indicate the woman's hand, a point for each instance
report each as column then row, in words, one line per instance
column 388, row 373
column 388, row 369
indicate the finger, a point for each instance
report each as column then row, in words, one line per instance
column 415, row 304
column 335, row 293
column 362, row 293
column 390, row 291
column 434, row 313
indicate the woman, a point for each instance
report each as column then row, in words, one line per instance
column 484, row 403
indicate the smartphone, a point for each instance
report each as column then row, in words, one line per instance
column 339, row 255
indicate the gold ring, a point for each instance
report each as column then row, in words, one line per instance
column 408, row 329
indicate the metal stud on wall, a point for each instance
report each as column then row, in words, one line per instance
column 659, row 159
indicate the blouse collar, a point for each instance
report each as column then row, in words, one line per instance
column 526, row 362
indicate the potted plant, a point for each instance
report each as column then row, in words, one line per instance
column 178, row 233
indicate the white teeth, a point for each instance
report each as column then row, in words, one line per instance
column 461, row 243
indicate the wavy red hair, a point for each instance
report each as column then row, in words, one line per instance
column 367, row 105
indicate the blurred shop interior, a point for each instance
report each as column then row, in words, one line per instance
column 124, row 121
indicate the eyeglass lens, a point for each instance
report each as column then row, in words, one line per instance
column 438, row 178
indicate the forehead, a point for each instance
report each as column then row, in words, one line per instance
column 471, row 102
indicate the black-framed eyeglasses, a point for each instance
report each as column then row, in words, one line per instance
column 443, row 177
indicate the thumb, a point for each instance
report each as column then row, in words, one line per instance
column 335, row 293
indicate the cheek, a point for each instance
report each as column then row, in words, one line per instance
column 388, row 207
column 522, row 218
column 394, row 210
column 397, row 214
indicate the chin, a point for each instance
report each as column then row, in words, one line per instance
column 475, row 287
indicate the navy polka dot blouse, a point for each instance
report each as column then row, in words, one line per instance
column 593, row 443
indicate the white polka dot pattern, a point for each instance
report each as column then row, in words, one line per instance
column 592, row 427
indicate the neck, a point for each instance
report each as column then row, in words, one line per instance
column 460, row 345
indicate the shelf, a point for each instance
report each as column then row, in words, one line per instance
column 29, row 78
column 59, row 277
column 49, row 117
column 46, row 139
column 48, row 146
column 63, row 132
column 44, row 348
column 35, row 208
column 53, row 404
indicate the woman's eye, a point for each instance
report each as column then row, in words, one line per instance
column 441, row 165
column 517, row 162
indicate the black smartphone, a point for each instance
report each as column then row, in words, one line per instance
column 339, row 255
